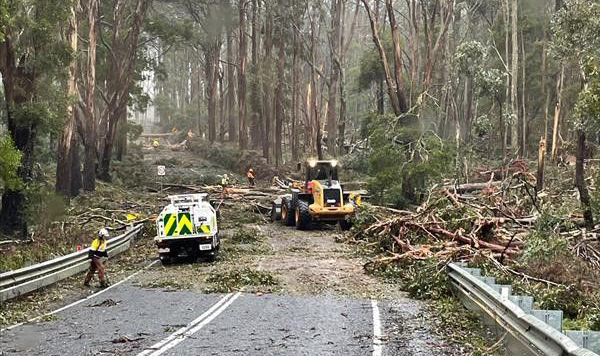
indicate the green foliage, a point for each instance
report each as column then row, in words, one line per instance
column 567, row 299
column 132, row 171
column 575, row 29
column 429, row 280
column 364, row 217
column 42, row 205
column 245, row 235
column 370, row 69
column 595, row 194
column 421, row 279
column 402, row 162
column 543, row 246
column 462, row 326
column 470, row 57
column 4, row 19
column 234, row 279
column 10, row 160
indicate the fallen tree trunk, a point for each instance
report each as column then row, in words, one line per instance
column 470, row 187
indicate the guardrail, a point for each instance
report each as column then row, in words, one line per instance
column 531, row 335
column 28, row 279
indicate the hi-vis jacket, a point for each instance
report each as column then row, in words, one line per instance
column 98, row 248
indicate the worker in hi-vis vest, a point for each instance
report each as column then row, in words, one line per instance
column 98, row 256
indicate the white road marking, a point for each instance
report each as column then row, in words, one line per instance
column 82, row 300
column 377, row 336
column 193, row 327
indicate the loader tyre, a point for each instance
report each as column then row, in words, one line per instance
column 302, row 215
column 287, row 214
column 345, row 225
column 274, row 214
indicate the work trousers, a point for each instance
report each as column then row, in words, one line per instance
column 96, row 264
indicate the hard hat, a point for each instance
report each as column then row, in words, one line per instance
column 250, row 170
column 225, row 175
column 103, row 233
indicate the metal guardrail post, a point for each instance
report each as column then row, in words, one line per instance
column 28, row 279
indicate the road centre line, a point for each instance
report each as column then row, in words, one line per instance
column 193, row 327
column 82, row 300
column 377, row 336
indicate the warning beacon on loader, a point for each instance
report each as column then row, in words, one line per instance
column 187, row 227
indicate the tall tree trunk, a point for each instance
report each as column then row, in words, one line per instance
column 222, row 113
column 580, row 183
column 122, row 62
column 121, row 139
column 231, row 89
column 557, row 108
column 19, row 88
column 256, row 129
column 396, row 44
column 279, row 94
column 392, row 91
column 211, row 60
column 506, row 127
column 295, row 133
column 243, row 136
column 76, row 182
column 267, row 91
column 90, row 138
column 341, row 63
column 65, row 148
column 524, row 131
column 334, row 51
column 514, row 77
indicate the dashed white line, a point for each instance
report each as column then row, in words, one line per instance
column 377, row 336
column 82, row 300
column 193, row 327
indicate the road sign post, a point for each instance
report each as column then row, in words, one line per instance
column 160, row 172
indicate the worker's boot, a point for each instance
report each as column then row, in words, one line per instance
column 104, row 283
column 88, row 278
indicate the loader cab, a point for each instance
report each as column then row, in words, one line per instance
column 321, row 170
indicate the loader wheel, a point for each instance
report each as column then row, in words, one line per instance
column 302, row 216
column 274, row 215
column 345, row 225
column 287, row 215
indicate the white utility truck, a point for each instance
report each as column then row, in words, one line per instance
column 187, row 227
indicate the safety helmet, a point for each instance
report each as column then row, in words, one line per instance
column 225, row 175
column 103, row 233
column 250, row 170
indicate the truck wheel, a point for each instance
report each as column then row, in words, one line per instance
column 345, row 225
column 165, row 259
column 212, row 256
column 287, row 213
column 302, row 216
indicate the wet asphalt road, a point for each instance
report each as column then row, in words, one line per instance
column 133, row 319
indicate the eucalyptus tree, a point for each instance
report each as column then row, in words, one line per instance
column 575, row 29
column 33, row 62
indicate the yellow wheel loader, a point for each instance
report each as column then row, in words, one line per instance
column 319, row 198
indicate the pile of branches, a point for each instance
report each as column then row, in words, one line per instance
column 457, row 226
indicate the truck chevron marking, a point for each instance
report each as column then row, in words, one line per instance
column 184, row 225
column 169, row 224
column 205, row 229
